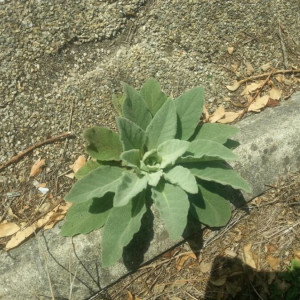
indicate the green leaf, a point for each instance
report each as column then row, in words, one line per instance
column 131, row 185
column 210, row 206
column 215, row 132
column 201, row 148
column 218, row 172
column 87, row 168
column 88, row 216
column 131, row 158
column 154, row 177
column 183, row 178
column 173, row 206
column 95, row 185
column 189, row 108
column 118, row 100
column 122, row 223
column 171, row 150
column 134, row 107
column 153, row 96
column 162, row 126
column 132, row 136
column 104, row 144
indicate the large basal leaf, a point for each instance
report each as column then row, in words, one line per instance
column 153, row 96
column 131, row 158
column 87, row 168
column 95, row 185
column 182, row 177
column 104, row 144
column 131, row 185
column 171, row 150
column 122, row 223
column 201, row 148
column 88, row 216
column 189, row 108
column 163, row 126
column 173, row 205
column 118, row 100
column 135, row 108
column 218, row 172
column 132, row 136
column 210, row 206
column 215, row 132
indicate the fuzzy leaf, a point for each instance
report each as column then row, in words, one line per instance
column 122, row 223
column 210, row 206
column 88, row 216
column 173, row 206
column 132, row 136
column 95, row 185
column 118, row 100
column 215, row 132
column 189, row 108
column 131, row 158
column 154, row 177
column 182, row 177
column 171, row 150
column 87, row 168
column 201, row 148
column 153, row 96
column 162, row 126
column 135, row 108
column 218, row 172
column 131, row 185
column 104, row 144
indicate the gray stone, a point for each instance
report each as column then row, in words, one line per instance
column 270, row 148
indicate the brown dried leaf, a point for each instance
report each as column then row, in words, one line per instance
column 251, row 88
column 218, row 282
column 230, row 50
column 249, row 69
column 259, row 103
column 80, row 161
column 44, row 207
column 37, row 167
column 234, row 86
column 230, row 117
column 273, row 261
column 288, row 82
column 180, row 262
column 266, row 66
column 249, row 258
column 218, row 114
column 20, row 236
column 42, row 185
column 280, row 78
column 48, row 221
column 272, row 103
column 132, row 297
column 7, row 229
column 275, row 94
column 70, row 175
column 230, row 253
column 235, row 66
column 205, row 267
column 11, row 213
column 206, row 114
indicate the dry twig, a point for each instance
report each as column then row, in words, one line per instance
column 37, row 145
column 284, row 54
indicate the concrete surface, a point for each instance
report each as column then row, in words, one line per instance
column 270, row 148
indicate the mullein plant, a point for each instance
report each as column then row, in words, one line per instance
column 161, row 149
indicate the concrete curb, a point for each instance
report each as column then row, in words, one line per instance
column 270, row 148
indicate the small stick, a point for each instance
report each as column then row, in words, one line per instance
column 291, row 71
column 70, row 124
column 37, row 145
column 284, row 54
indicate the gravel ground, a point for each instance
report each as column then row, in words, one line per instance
column 55, row 54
